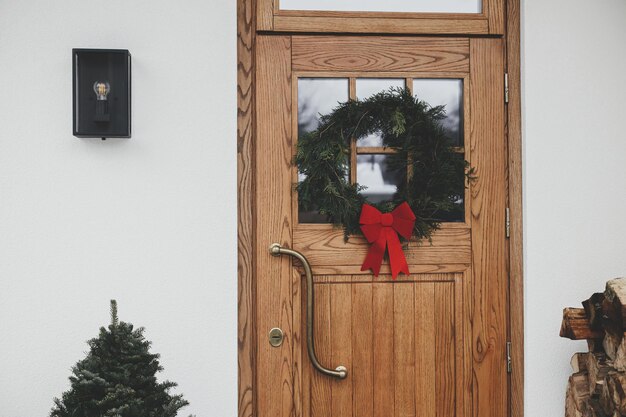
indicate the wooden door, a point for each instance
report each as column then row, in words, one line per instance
column 431, row 344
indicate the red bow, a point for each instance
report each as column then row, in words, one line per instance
column 381, row 230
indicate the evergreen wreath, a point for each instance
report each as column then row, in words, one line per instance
column 406, row 124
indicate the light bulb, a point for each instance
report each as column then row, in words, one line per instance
column 101, row 88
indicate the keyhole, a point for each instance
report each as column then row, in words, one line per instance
column 276, row 337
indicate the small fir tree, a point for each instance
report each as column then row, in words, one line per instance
column 118, row 378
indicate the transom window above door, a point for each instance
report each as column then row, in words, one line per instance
column 433, row 17
column 368, row 161
column 416, row 6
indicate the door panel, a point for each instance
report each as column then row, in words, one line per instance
column 431, row 344
column 327, row 247
column 376, row 53
column 401, row 342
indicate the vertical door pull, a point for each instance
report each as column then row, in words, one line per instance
column 340, row 372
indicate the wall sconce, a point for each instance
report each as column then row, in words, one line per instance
column 101, row 93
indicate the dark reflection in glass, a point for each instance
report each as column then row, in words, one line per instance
column 367, row 87
column 373, row 172
column 446, row 92
column 414, row 6
column 457, row 213
column 317, row 96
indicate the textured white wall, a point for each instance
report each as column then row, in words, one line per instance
column 150, row 221
column 574, row 71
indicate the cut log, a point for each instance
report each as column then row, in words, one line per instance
column 617, row 389
column 620, row 357
column 578, row 389
column 593, row 308
column 579, row 362
column 595, row 345
column 575, row 325
column 599, row 368
column 606, row 399
column 610, row 313
column 570, row 404
column 591, row 408
column 577, row 394
column 611, row 343
column 597, row 387
column 615, row 293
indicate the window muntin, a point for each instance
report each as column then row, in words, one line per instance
column 367, row 87
column 368, row 165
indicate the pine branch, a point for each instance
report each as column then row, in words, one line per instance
column 114, row 318
column 410, row 126
column 118, row 378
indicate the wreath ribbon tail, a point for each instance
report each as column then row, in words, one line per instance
column 374, row 258
column 397, row 260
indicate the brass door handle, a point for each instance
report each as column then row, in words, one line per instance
column 340, row 372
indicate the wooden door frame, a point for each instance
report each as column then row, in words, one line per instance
column 489, row 22
column 246, row 335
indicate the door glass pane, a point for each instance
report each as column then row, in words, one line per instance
column 456, row 215
column 417, row 6
column 317, row 96
column 367, row 87
column 373, row 172
column 457, row 212
column 444, row 92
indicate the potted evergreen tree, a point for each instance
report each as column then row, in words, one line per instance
column 118, row 378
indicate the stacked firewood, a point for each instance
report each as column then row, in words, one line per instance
column 597, row 388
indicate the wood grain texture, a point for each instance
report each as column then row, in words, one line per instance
column 475, row 342
column 425, row 350
column 370, row 279
column 465, row 346
column 490, row 21
column 404, row 349
column 575, row 325
column 265, row 14
column 321, row 391
column 363, row 354
column 516, row 268
column 369, row 14
column 341, row 333
column 301, row 397
column 245, row 208
column 274, row 378
column 375, row 53
column 489, row 263
column 327, row 247
column 398, row 342
column 495, row 11
column 385, row 270
column 331, row 23
column 445, row 381
column 382, row 347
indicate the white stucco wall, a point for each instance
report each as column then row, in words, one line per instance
column 151, row 221
column 574, row 67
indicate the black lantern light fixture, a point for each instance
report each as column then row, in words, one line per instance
column 101, row 88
